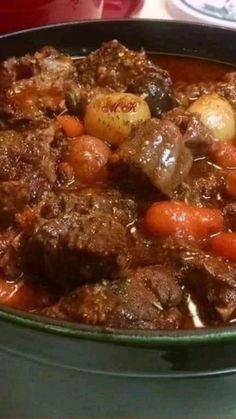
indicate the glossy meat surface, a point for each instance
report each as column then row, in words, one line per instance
column 155, row 150
column 145, row 298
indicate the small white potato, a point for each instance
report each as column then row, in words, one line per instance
column 110, row 117
column 217, row 114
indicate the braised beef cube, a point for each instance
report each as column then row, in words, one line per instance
column 147, row 298
column 196, row 135
column 33, row 85
column 155, row 150
column 14, row 196
column 155, row 91
column 88, row 201
column 27, row 167
column 122, row 208
column 22, row 151
column 216, row 280
column 116, row 67
column 211, row 279
column 205, row 183
column 47, row 59
column 72, row 249
column 204, row 186
column 143, row 249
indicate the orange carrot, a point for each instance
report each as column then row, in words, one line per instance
column 88, row 156
column 224, row 154
column 71, row 125
column 224, row 244
column 174, row 217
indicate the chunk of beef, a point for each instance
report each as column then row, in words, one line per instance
column 155, row 150
column 216, row 279
column 143, row 249
column 196, row 135
column 14, row 196
column 211, row 278
column 116, row 67
column 72, row 249
column 204, row 186
column 205, row 183
column 19, row 150
column 186, row 93
column 33, row 85
column 79, row 237
column 155, row 91
column 122, row 208
column 146, row 298
column 27, row 167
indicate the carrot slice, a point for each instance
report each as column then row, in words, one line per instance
column 224, row 154
column 224, row 244
column 71, row 125
column 174, row 217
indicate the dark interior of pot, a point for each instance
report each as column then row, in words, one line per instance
column 144, row 272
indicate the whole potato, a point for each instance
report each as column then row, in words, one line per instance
column 110, row 117
column 88, row 157
column 217, row 114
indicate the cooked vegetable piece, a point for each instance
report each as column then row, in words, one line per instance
column 217, row 114
column 175, row 217
column 88, row 157
column 71, row 125
column 111, row 117
column 224, row 154
column 224, row 244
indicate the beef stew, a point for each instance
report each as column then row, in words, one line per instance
column 118, row 188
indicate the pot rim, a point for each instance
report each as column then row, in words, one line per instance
column 119, row 21
column 126, row 337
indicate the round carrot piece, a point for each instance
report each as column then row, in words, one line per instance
column 224, row 154
column 224, row 244
column 71, row 125
column 88, row 156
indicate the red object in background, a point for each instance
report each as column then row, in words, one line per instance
column 114, row 9
column 21, row 14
